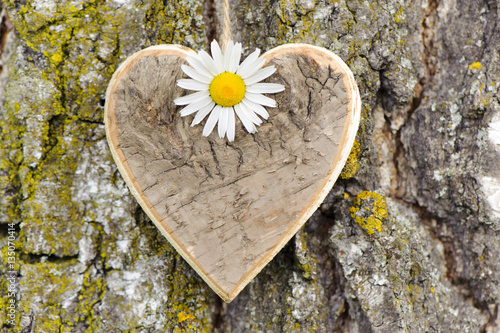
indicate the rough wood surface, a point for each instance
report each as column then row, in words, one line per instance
column 229, row 208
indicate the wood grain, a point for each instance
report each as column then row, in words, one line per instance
column 228, row 208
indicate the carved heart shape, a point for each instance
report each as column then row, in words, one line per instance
column 229, row 208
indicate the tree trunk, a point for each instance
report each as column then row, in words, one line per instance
column 424, row 170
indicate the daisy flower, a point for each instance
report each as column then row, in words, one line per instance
column 224, row 86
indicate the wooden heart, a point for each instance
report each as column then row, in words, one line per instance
column 228, row 208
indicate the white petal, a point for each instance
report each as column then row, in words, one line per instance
column 191, row 84
column 223, row 119
column 260, row 75
column 257, row 108
column 200, row 115
column 192, row 98
column 212, row 120
column 208, row 62
column 251, row 58
column 217, row 56
column 253, row 68
column 193, row 107
column 197, row 64
column 228, row 52
column 250, row 114
column 194, row 74
column 261, row 99
column 235, row 58
column 265, row 88
column 250, row 127
column 230, row 125
column 246, row 65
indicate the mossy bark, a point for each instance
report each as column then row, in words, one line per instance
column 423, row 175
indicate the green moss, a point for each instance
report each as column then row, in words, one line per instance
column 352, row 164
column 369, row 210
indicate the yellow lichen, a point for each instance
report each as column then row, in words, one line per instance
column 172, row 22
column 398, row 17
column 414, row 293
column 371, row 218
column 181, row 316
column 476, row 65
column 352, row 164
column 305, row 261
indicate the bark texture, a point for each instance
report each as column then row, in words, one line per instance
column 407, row 241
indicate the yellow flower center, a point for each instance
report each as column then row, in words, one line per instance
column 227, row 89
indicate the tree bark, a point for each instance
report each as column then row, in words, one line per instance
column 424, row 171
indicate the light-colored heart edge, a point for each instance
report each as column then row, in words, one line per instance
column 350, row 129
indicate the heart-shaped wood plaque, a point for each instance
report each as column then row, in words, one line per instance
column 228, row 208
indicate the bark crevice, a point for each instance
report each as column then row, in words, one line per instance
column 211, row 20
